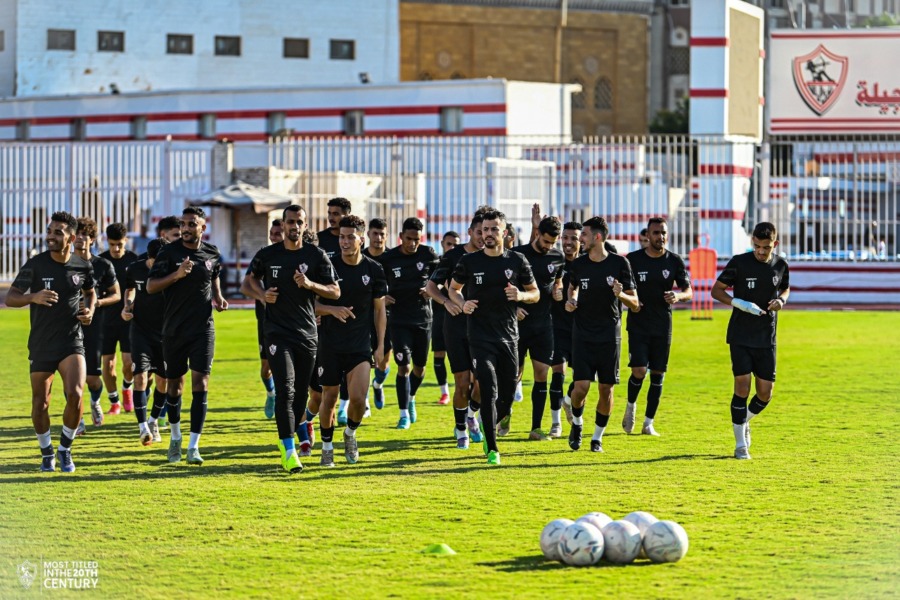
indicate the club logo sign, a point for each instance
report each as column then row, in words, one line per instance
column 665, row 273
column 302, row 268
column 208, row 264
column 775, row 280
column 819, row 77
column 272, row 349
column 76, row 279
column 365, row 279
column 551, row 268
column 610, row 280
column 508, row 273
column 420, row 266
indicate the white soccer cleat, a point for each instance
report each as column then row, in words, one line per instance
column 648, row 430
column 628, row 419
column 742, row 453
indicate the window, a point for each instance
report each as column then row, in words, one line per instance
column 275, row 123
column 603, row 94
column 2, row 40
column 78, row 129
column 578, row 100
column 679, row 60
column 60, row 39
column 296, row 48
column 679, row 2
column 207, row 126
column 451, row 119
column 354, row 122
column 139, row 128
column 23, row 130
column 111, row 41
column 228, row 45
column 179, row 44
column 343, row 50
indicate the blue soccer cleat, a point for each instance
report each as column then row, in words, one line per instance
column 403, row 423
column 412, row 411
column 64, row 456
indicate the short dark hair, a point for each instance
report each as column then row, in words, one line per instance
column 66, row 218
column 493, row 215
column 87, row 226
column 343, row 203
column 765, row 231
column 655, row 221
column 550, row 226
column 483, row 209
column 598, row 225
column 644, row 231
column 277, row 223
column 377, row 223
column 575, row 225
column 154, row 247
column 310, row 237
column 166, row 223
column 292, row 208
column 116, row 231
column 450, row 233
column 355, row 222
column 194, row 210
column 412, row 223
column 476, row 220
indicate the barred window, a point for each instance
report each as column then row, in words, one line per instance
column 578, row 99
column 603, row 94
column 679, row 60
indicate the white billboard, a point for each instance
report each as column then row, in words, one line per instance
column 832, row 81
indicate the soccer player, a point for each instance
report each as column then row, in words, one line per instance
column 562, row 333
column 599, row 281
column 494, row 280
column 346, row 344
column 656, row 272
column 438, row 346
column 536, row 322
column 329, row 238
column 187, row 273
column 408, row 267
column 643, row 239
column 115, row 330
column 759, row 278
column 58, row 288
column 466, row 397
column 276, row 236
column 377, row 234
column 288, row 277
column 144, row 312
column 107, row 293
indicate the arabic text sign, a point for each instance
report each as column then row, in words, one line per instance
column 834, row 81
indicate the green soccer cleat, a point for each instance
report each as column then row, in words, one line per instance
column 291, row 463
column 493, row 457
column 503, row 429
column 537, row 435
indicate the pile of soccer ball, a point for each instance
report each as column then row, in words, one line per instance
column 594, row 536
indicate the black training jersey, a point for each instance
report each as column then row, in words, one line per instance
column 119, row 264
column 188, row 301
column 407, row 275
column 485, row 279
column 760, row 283
column 444, row 273
column 330, row 243
column 147, row 309
column 654, row 277
column 598, row 315
column 56, row 328
column 293, row 314
column 563, row 320
column 360, row 284
column 104, row 276
column 547, row 270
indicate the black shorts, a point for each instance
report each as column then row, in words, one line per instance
column 457, row 344
column 538, row 344
column 194, row 349
column 93, row 338
column 410, row 344
column 759, row 361
column 598, row 361
column 146, row 352
column 437, row 329
column 562, row 346
column 387, row 338
column 649, row 351
column 50, row 363
column 115, row 333
column 331, row 365
column 261, row 340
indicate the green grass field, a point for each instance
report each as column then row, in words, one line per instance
column 814, row 514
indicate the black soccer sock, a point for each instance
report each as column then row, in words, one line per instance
column 577, row 412
column 351, row 424
column 126, row 385
column 174, row 406
column 95, row 394
column 556, row 390
column 756, row 405
column 65, row 441
column 475, row 406
column 165, row 409
column 159, row 403
column 414, row 382
column 538, row 402
column 653, row 394
column 140, row 405
column 634, row 388
column 459, row 415
column 327, row 433
column 440, row 371
column 571, row 387
column 345, row 395
column 738, row 410
column 402, row 382
column 113, row 397
column 198, row 411
column 601, row 420
column 488, row 427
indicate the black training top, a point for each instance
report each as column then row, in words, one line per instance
column 119, row 264
column 188, row 301
column 444, row 273
column 654, row 277
column 292, row 315
column 562, row 320
column 148, row 309
column 485, row 279
column 760, row 283
column 55, row 328
column 407, row 275
column 547, row 270
column 598, row 315
column 360, row 284
column 330, row 243
column 104, row 278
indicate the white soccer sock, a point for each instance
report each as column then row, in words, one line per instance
column 598, row 432
column 445, row 389
column 376, row 385
column 343, row 406
column 464, row 433
column 577, row 420
column 151, row 419
column 67, row 432
column 648, row 421
column 555, row 416
column 739, row 439
column 404, row 413
column 44, row 439
column 194, row 441
column 567, row 400
column 143, row 428
column 349, row 432
column 750, row 415
column 327, row 445
column 470, row 413
column 175, row 430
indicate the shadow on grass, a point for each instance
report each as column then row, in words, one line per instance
column 539, row 563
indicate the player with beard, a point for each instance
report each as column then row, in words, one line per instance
column 494, row 280
column 329, row 238
column 438, row 345
column 186, row 272
column 377, row 234
column 107, row 293
column 599, row 282
column 562, row 334
column 346, row 343
column 465, row 392
column 288, row 277
column 58, row 288
column 408, row 267
column 656, row 272
column 276, row 236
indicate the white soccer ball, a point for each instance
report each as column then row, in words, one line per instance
column 643, row 520
column 597, row 519
column 581, row 545
column 550, row 537
column 665, row 541
column 622, row 541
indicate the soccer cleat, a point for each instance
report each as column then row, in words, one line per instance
column 351, row 448
column 282, row 451
column 48, row 461
column 648, row 430
column 474, row 429
column 462, row 443
column 596, row 446
column 193, row 456
column 518, row 396
column 503, row 427
column 575, row 437
column 174, row 450
column 115, row 409
column 64, row 456
column 311, row 433
column 80, row 430
column 291, row 463
column 628, row 419
column 537, row 435
column 567, row 408
column 378, row 396
column 746, row 433
column 154, row 430
column 146, row 438
column 742, row 453
column 555, row 431
column 163, row 424
column 269, row 408
column 327, row 458
column 412, row 411
column 403, row 423
column 305, row 449
column 368, row 412
column 97, row 414
column 444, row 400
column 493, row 457
column 342, row 417
column 128, row 400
